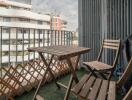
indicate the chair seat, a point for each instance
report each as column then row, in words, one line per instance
column 98, row 65
column 91, row 88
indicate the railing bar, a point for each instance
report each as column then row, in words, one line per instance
column 29, row 44
column 1, row 52
column 34, row 41
column 16, row 43
column 43, row 37
column 64, row 37
column 23, row 46
column 58, row 36
column 39, row 41
column 52, row 37
column 61, row 37
column 48, row 40
column 69, row 38
column 55, row 37
column 9, row 46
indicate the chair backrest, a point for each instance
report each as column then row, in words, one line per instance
column 128, row 96
column 112, row 45
column 127, row 73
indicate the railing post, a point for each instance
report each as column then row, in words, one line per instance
column 29, row 44
column 9, row 47
column 23, row 46
column 1, row 52
column 16, row 44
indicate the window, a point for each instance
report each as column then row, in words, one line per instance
column 6, row 19
column 22, row 31
column 40, row 22
column 24, row 20
column 5, row 30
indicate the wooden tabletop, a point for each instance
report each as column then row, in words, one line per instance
column 60, row 51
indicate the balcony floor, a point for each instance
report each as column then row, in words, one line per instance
column 50, row 92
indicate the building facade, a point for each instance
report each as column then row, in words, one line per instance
column 57, row 23
column 20, row 27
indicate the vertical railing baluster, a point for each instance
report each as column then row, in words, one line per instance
column 23, row 46
column 61, row 37
column 16, row 44
column 64, row 37
column 71, row 38
column 29, row 44
column 9, row 47
column 51, row 37
column 39, row 40
column 34, row 41
column 1, row 52
column 58, row 36
column 55, row 36
column 48, row 32
column 43, row 38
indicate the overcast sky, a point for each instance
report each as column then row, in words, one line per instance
column 68, row 9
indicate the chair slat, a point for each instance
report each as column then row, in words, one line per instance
column 79, row 85
column 111, row 44
column 87, row 86
column 103, row 90
column 112, row 91
column 110, row 47
column 92, row 95
column 111, row 41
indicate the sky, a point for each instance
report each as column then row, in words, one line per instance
column 68, row 10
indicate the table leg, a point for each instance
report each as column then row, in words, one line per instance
column 69, row 87
column 46, row 64
column 73, row 76
column 43, row 78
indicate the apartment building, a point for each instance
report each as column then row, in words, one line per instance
column 19, row 27
column 57, row 23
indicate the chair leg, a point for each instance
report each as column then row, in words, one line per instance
column 102, row 75
column 109, row 76
column 80, row 98
column 92, row 71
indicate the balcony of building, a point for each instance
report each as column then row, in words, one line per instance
column 22, row 71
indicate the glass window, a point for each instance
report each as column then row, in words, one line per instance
column 40, row 22
column 6, row 19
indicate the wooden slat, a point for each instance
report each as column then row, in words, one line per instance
column 112, row 91
column 87, row 86
column 111, row 44
column 79, row 85
column 110, row 47
column 128, row 95
column 92, row 95
column 98, row 65
column 60, row 51
column 117, row 41
column 103, row 90
column 125, row 75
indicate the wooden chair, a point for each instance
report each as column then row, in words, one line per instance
column 128, row 95
column 93, row 88
column 100, row 67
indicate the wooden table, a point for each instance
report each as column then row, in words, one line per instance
column 62, row 53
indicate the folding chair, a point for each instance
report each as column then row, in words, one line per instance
column 93, row 88
column 100, row 67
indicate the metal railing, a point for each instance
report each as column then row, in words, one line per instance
column 15, row 41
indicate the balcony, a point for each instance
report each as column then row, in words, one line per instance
column 97, row 20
